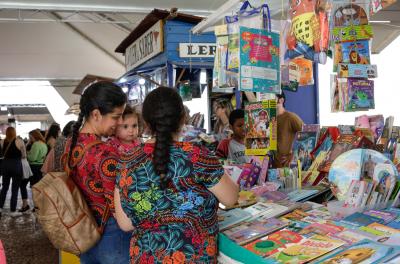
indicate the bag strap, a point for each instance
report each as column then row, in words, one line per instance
column 106, row 213
column 8, row 146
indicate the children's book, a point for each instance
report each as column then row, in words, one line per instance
column 326, row 140
column 310, row 128
column 273, row 243
column 232, row 217
column 246, row 198
column 321, row 212
column 350, row 236
column 343, row 144
column 296, row 215
column 360, row 95
column 297, row 226
column 307, row 250
column 250, row 174
column 357, row 71
column 350, row 14
column 356, row 52
column 261, row 127
column 259, row 61
column 312, row 173
column 301, row 71
column 303, row 144
column 274, row 196
column 362, row 219
column 345, row 168
column 352, row 33
column 321, row 229
column 301, row 194
column 262, row 210
column 392, row 239
column 249, row 231
column 363, row 252
column 386, row 216
column 355, row 194
column 383, row 228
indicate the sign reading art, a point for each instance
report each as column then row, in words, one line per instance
column 145, row 47
column 197, row 50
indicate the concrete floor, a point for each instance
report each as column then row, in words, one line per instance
column 23, row 240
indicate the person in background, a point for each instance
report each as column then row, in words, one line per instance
column 52, row 134
column 13, row 149
column 53, row 158
column 36, row 156
column 167, row 192
column 126, row 134
column 288, row 124
column 222, row 110
column 102, row 105
column 233, row 148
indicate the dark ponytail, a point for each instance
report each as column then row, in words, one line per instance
column 104, row 96
column 163, row 111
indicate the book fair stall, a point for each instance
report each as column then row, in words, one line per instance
column 336, row 199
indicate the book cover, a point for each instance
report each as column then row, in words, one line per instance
column 321, row 213
column 352, row 33
column 307, row 250
column 312, row 173
column 382, row 228
column 350, row 236
column 232, row 217
column 261, row 127
column 357, row 71
column 303, row 144
column 259, row 61
column 363, row 252
column 267, row 210
column 321, row 229
column 310, row 128
column 356, row 52
column 272, row 243
column 386, row 216
column 360, row 95
column 362, row 219
column 274, row 196
column 301, row 71
column 297, row 226
column 328, row 137
column 296, row 215
column 343, row 144
column 344, row 169
column 249, row 231
column 355, row 193
column 392, row 239
column 301, row 194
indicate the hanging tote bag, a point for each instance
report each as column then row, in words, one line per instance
column 26, row 169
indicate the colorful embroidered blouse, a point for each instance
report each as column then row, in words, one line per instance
column 95, row 173
column 121, row 148
column 178, row 224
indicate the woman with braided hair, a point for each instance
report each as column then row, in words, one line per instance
column 93, row 165
column 167, row 192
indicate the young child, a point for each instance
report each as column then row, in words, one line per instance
column 233, row 148
column 126, row 134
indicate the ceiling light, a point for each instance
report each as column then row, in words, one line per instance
column 203, row 77
column 122, row 80
column 142, row 81
column 3, row 108
column 381, row 21
column 125, row 89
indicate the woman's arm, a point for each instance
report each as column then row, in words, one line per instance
column 21, row 146
column 123, row 221
column 226, row 191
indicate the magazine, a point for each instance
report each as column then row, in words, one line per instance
column 360, row 95
column 261, row 127
column 232, row 217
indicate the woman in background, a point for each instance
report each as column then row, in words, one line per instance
column 13, row 149
column 52, row 134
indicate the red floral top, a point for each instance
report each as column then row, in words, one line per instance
column 121, row 148
column 95, row 173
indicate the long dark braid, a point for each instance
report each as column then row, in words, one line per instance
column 104, row 96
column 75, row 133
column 163, row 111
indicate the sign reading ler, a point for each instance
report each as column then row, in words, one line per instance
column 197, row 50
column 145, row 47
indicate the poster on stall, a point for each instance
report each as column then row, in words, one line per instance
column 261, row 125
column 259, row 61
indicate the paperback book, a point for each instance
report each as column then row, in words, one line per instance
column 303, row 144
column 230, row 218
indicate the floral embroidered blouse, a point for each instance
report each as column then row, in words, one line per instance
column 121, row 148
column 178, row 224
column 95, row 173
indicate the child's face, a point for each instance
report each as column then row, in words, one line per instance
column 239, row 128
column 128, row 131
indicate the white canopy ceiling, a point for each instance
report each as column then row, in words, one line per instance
column 64, row 40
